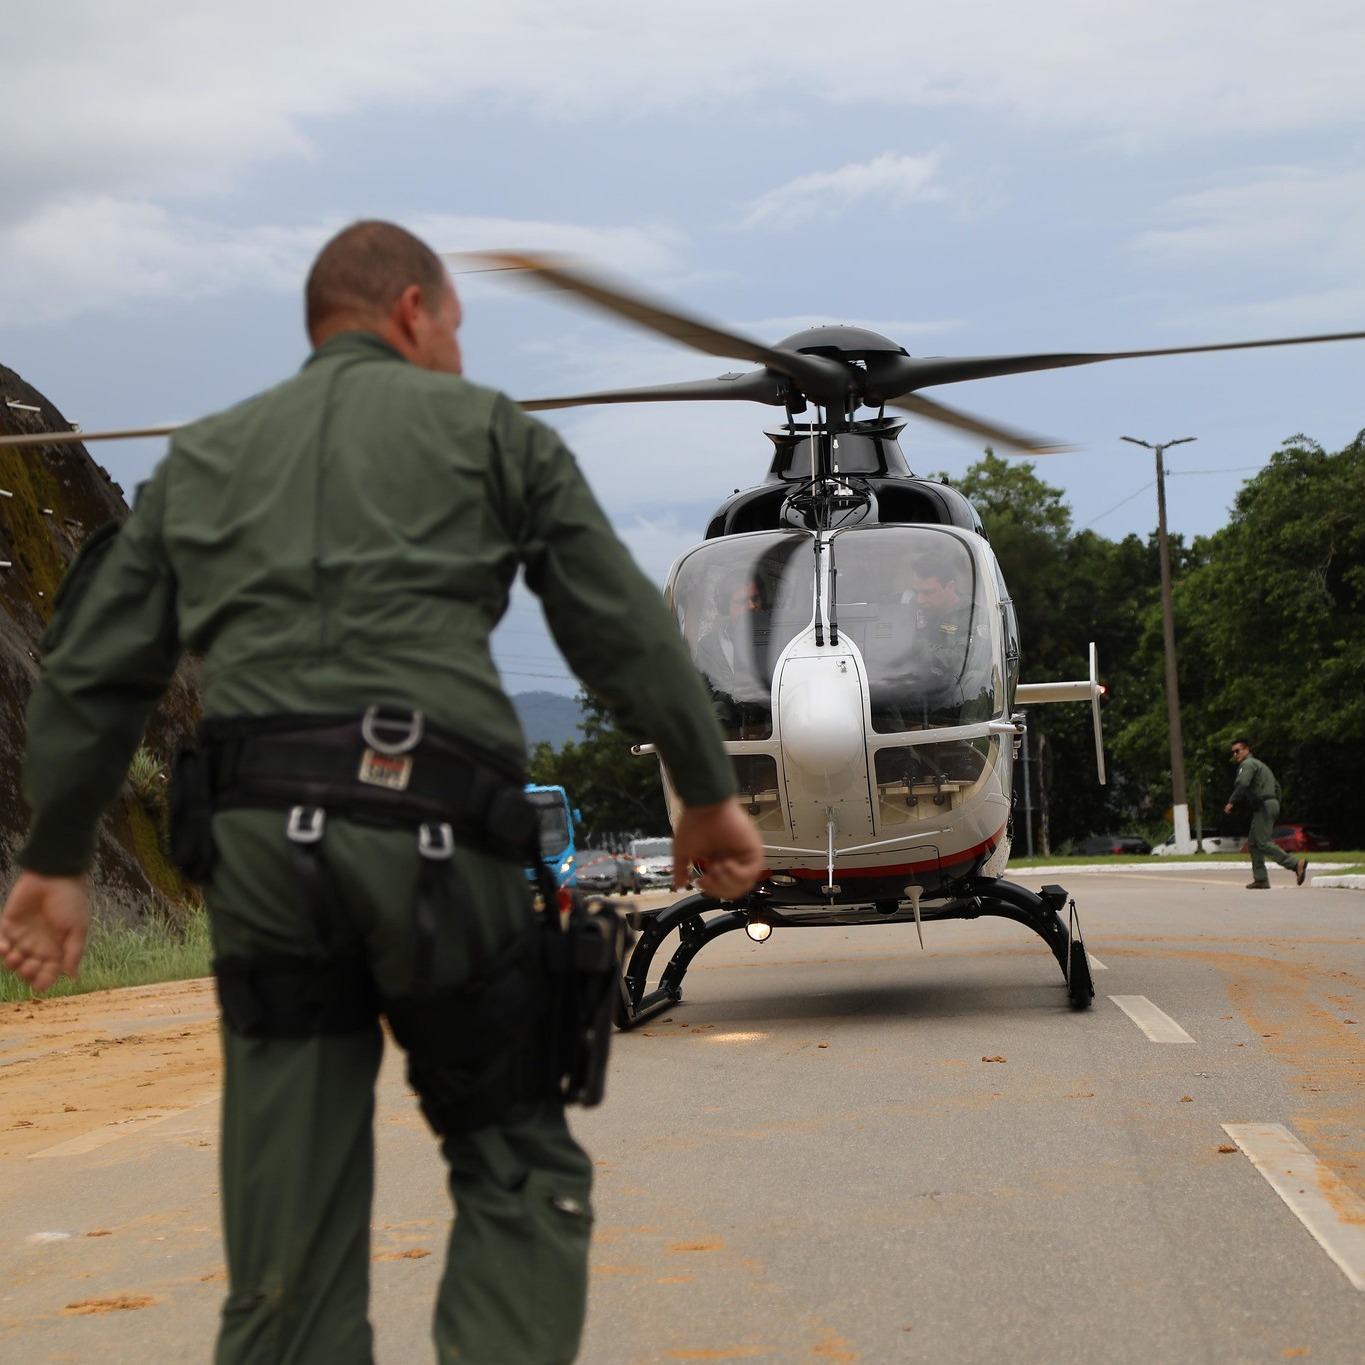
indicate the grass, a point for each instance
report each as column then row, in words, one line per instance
column 1354, row 857
column 142, row 955
column 147, row 777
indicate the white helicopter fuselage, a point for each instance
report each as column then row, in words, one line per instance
column 872, row 739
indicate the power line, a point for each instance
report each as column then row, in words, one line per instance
column 1117, row 505
column 1230, row 469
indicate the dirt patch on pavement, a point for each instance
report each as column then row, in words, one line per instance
column 78, row 1064
column 1309, row 1014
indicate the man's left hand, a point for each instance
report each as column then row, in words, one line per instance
column 44, row 927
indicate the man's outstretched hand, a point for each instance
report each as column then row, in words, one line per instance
column 43, row 928
column 725, row 842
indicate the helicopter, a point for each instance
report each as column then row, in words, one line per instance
column 857, row 636
column 859, row 642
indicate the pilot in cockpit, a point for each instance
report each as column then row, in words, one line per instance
column 943, row 620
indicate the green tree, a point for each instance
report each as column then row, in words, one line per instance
column 1271, row 632
column 615, row 790
column 1069, row 589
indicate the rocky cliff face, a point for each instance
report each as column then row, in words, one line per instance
column 51, row 498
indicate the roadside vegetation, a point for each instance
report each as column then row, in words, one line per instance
column 1346, row 861
column 142, row 955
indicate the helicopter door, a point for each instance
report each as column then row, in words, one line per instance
column 739, row 602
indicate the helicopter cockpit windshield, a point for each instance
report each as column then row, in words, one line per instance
column 911, row 600
column 740, row 601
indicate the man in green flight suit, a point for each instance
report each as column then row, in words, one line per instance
column 338, row 549
column 1256, row 787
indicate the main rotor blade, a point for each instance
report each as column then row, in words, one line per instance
column 1015, row 440
column 756, row 386
column 823, row 379
column 68, row 437
column 916, row 372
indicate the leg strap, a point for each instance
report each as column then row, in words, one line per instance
column 475, row 1053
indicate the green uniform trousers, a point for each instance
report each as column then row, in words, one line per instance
column 1261, row 840
column 297, row 1145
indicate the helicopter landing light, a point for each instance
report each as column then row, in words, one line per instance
column 782, row 879
column 759, row 930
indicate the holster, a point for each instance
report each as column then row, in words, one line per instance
column 583, row 951
column 476, row 1053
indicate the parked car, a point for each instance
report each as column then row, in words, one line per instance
column 1104, row 844
column 652, row 863
column 606, row 874
column 1210, row 843
column 1299, row 839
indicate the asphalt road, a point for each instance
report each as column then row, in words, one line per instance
column 843, row 1148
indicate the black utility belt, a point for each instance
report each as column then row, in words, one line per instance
column 387, row 766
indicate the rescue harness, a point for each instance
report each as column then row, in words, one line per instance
column 534, row 1021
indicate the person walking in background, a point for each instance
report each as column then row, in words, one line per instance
column 1256, row 787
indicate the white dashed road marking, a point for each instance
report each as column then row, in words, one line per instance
column 1333, row 1214
column 1095, row 964
column 1158, row 1026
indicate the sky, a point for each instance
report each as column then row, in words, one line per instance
column 966, row 180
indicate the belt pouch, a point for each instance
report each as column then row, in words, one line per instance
column 191, row 815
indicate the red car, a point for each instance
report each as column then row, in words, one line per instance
column 1300, row 839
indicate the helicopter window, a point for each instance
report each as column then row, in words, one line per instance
column 912, row 601
column 921, row 782
column 756, row 777
column 739, row 602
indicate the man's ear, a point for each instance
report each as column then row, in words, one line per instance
column 403, row 314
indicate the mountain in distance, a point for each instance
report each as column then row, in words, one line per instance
column 549, row 717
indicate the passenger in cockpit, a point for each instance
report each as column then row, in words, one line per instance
column 724, row 652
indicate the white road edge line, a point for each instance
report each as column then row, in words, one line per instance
column 101, row 1137
column 1156, row 1024
column 1333, row 1214
column 1095, row 964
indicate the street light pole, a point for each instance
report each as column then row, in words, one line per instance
column 1180, row 807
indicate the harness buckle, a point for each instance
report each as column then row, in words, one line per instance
column 409, row 730
column 305, row 824
column 436, row 842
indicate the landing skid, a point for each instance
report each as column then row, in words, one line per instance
column 1039, row 911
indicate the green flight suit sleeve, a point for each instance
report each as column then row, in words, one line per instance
column 1244, row 786
column 607, row 618
column 111, row 649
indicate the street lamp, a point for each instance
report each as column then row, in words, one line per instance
column 1180, row 805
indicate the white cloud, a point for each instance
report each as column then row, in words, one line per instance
column 155, row 97
column 1298, row 233
column 898, row 180
column 117, row 113
column 89, row 252
column 1314, row 218
column 81, row 253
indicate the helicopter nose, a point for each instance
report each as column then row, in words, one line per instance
column 820, row 711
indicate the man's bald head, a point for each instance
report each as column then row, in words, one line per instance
column 377, row 277
column 366, row 267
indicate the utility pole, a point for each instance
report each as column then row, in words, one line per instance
column 1179, row 803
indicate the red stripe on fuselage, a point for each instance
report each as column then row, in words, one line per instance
column 898, row 869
